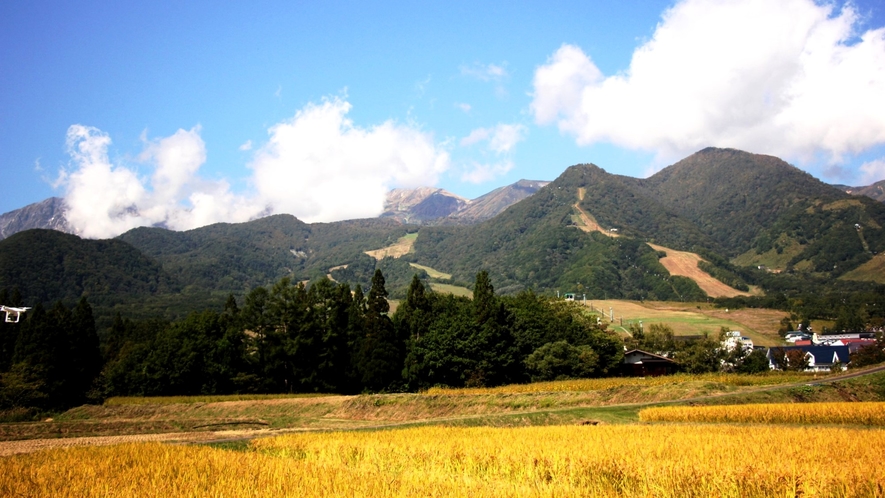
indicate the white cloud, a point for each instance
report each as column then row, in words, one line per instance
column 481, row 173
column 486, row 72
column 102, row 199
column 476, row 136
column 506, row 136
column 247, row 145
column 463, row 106
column 790, row 78
column 319, row 166
column 872, row 172
column 105, row 200
column 502, row 138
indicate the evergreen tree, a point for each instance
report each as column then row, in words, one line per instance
column 356, row 326
column 8, row 335
column 493, row 347
column 381, row 355
column 42, row 352
column 413, row 314
column 333, row 304
column 85, row 352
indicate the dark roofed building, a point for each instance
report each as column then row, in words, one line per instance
column 638, row 363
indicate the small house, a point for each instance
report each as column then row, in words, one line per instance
column 820, row 358
column 638, row 363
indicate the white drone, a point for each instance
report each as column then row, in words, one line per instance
column 12, row 314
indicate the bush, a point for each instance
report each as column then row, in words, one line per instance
column 560, row 360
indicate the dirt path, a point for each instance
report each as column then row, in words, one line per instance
column 685, row 264
column 589, row 223
column 681, row 263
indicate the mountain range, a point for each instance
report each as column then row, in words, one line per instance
column 751, row 222
column 422, row 205
column 426, row 205
column 49, row 213
column 874, row 191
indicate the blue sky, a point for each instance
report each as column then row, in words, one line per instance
column 187, row 113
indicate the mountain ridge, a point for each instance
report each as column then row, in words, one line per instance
column 742, row 214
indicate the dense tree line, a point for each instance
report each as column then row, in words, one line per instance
column 329, row 337
column 51, row 358
column 293, row 337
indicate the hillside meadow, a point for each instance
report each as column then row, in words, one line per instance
column 687, row 319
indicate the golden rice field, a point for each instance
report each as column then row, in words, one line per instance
column 209, row 398
column 872, row 414
column 600, row 384
column 622, row 460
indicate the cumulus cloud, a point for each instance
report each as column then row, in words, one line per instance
column 501, row 138
column 247, row 145
column 499, row 141
column 105, row 199
column 481, row 173
column 317, row 166
column 791, row 78
column 872, row 172
column 321, row 167
column 101, row 198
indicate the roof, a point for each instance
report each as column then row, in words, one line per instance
column 649, row 357
column 823, row 355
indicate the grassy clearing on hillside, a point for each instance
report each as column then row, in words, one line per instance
column 690, row 319
column 772, row 258
column 871, row 271
column 399, row 248
column 610, row 460
column 431, row 272
column 451, row 289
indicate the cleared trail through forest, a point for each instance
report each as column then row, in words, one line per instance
column 681, row 263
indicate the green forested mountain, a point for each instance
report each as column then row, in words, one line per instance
column 47, row 266
column 536, row 244
column 737, row 210
column 238, row 257
column 721, row 203
column 733, row 195
column 761, row 210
